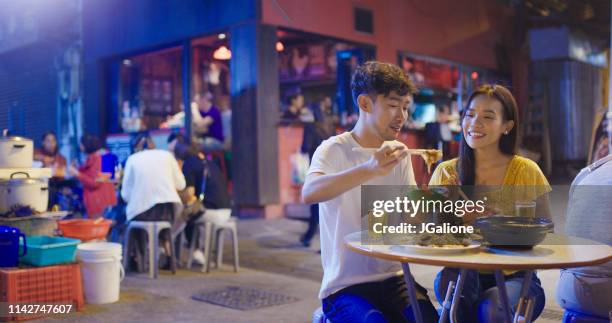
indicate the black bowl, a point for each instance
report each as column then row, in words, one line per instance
column 514, row 231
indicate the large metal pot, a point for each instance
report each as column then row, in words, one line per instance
column 16, row 152
column 32, row 192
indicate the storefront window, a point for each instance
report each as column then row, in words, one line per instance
column 311, row 71
column 443, row 86
column 150, row 89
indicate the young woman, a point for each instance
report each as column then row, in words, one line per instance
column 50, row 157
column 488, row 159
column 98, row 193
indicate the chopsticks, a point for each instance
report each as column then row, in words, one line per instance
column 371, row 150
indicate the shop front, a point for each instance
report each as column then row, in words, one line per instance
column 250, row 67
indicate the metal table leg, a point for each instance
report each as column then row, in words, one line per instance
column 414, row 303
column 503, row 295
column 457, row 294
column 446, row 305
column 525, row 304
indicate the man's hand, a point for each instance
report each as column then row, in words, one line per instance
column 385, row 159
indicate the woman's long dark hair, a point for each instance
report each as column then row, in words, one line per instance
column 91, row 143
column 466, row 167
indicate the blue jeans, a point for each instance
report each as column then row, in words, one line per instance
column 479, row 300
column 384, row 301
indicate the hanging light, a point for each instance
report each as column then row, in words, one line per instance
column 279, row 46
column 222, row 53
column 221, row 36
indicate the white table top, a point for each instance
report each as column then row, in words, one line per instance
column 557, row 251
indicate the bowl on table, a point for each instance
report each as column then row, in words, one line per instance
column 514, row 231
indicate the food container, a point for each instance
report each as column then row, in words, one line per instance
column 46, row 251
column 514, row 231
column 24, row 191
column 16, row 152
column 84, row 229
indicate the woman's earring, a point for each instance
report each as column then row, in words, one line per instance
column 506, row 132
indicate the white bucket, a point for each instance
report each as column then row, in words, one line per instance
column 102, row 271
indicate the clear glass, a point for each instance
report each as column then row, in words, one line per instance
column 525, row 208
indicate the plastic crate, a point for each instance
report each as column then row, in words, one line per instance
column 53, row 284
column 84, row 229
column 46, row 251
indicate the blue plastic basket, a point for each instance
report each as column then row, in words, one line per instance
column 46, row 251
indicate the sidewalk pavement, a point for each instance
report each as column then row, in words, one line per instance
column 272, row 260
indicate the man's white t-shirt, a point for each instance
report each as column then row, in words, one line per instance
column 341, row 216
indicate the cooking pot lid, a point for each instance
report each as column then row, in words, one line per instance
column 20, row 181
column 14, row 138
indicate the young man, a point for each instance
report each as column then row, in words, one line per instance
column 358, row 288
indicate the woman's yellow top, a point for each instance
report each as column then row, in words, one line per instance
column 523, row 181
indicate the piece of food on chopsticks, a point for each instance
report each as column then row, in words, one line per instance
column 430, row 156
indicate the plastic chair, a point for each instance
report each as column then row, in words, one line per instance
column 211, row 226
column 203, row 228
column 217, row 231
column 153, row 228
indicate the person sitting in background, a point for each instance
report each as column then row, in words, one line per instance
column 205, row 187
column 98, row 193
column 150, row 186
column 50, row 157
column 295, row 108
column 193, row 170
column 208, row 125
column 586, row 292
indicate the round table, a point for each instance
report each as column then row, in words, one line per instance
column 555, row 252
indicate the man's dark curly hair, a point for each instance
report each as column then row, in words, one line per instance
column 374, row 78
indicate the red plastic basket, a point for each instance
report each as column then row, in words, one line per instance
column 59, row 284
column 84, row 229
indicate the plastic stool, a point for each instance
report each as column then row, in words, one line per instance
column 204, row 228
column 153, row 228
column 217, row 231
column 318, row 316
